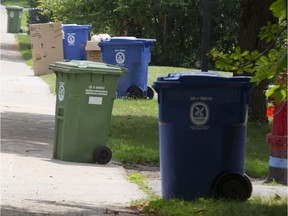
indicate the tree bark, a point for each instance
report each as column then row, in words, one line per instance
column 253, row 15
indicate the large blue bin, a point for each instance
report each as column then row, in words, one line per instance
column 74, row 40
column 202, row 129
column 135, row 55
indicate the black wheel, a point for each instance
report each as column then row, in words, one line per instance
column 102, row 155
column 150, row 93
column 135, row 92
column 233, row 186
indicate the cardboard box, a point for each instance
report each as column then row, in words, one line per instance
column 93, row 51
column 47, row 46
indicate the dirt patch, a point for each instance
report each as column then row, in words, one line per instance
column 150, row 172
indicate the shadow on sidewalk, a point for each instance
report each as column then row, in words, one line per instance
column 66, row 209
column 10, row 52
column 27, row 134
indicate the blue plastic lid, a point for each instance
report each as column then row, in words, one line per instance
column 75, row 26
column 199, row 78
column 119, row 40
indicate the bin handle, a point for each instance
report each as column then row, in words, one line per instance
column 176, row 76
column 83, row 64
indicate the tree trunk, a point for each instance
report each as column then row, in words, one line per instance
column 253, row 15
column 165, row 36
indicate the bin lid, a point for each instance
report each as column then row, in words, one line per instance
column 186, row 79
column 127, row 41
column 84, row 67
column 14, row 8
column 75, row 26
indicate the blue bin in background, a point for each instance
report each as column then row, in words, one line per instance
column 74, row 40
column 135, row 55
column 202, row 130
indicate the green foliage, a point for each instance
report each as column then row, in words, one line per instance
column 271, row 64
column 278, row 9
column 269, row 32
column 175, row 24
column 21, row 3
column 33, row 3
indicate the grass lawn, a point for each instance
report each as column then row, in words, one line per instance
column 134, row 138
column 256, row 206
column 134, row 126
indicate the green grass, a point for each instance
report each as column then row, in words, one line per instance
column 155, row 71
column 138, row 179
column 134, row 131
column 50, row 79
column 134, row 136
column 256, row 206
column 257, row 150
column 25, row 48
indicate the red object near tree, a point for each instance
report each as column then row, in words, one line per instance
column 270, row 111
column 278, row 145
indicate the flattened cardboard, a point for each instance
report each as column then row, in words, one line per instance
column 47, row 46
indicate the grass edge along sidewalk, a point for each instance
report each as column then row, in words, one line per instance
column 132, row 120
column 128, row 110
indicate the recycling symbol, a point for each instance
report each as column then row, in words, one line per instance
column 120, row 57
column 199, row 113
column 71, row 39
column 61, row 92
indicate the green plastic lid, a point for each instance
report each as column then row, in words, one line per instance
column 14, row 8
column 82, row 67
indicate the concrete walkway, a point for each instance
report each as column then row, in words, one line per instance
column 31, row 182
column 34, row 184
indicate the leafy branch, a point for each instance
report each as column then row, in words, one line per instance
column 270, row 64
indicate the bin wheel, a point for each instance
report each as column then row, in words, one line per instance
column 233, row 186
column 135, row 92
column 150, row 93
column 102, row 155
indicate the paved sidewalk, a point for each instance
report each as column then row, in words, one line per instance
column 34, row 184
column 31, row 182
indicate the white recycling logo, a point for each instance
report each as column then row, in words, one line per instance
column 120, row 57
column 61, row 92
column 71, row 39
column 199, row 113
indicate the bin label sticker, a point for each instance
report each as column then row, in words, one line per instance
column 71, row 39
column 12, row 14
column 61, row 91
column 95, row 100
column 199, row 115
column 120, row 57
column 96, row 90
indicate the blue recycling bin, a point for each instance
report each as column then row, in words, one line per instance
column 202, row 129
column 135, row 55
column 74, row 40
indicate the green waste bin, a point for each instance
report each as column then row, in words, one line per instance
column 14, row 18
column 85, row 94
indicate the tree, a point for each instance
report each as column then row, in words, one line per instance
column 175, row 24
column 264, row 54
column 254, row 15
